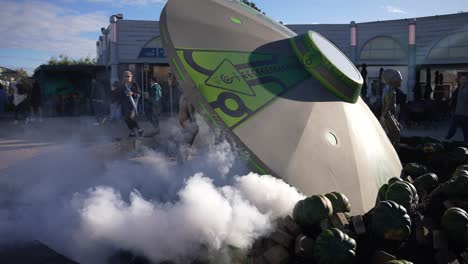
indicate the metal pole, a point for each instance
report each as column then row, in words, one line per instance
column 411, row 82
column 142, row 83
column 145, row 89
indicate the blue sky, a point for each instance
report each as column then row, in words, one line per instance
column 34, row 31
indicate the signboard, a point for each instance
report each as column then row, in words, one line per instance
column 152, row 53
column 152, row 49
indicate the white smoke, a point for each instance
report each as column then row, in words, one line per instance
column 222, row 156
column 205, row 215
column 87, row 209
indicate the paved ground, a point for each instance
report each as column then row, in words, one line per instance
column 21, row 142
column 36, row 152
column 437, row 130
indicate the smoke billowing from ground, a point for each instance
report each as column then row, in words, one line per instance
column 204, row 215
column 87, row 209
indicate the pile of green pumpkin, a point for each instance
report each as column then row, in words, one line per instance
column 436, row 156
column 416, row 219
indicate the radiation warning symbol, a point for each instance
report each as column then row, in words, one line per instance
column 227, row 77
column 239, row 84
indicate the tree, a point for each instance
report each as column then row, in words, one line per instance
column 87, row 60
column 61, row 60
column 22, row 73
column 19, row 74
column 252, row 5
column 65, row 60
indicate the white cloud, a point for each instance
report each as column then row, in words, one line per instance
column 48, row 27
column 394, row 10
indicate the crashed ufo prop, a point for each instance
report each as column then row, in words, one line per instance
column 291, row 101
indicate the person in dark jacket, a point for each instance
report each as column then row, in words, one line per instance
column 130, row 92
column 400, row 103
column 21, row 102
column 153, row 103
column 36, row 102
column 98, row 99
column 459, row 105
column 3, row 98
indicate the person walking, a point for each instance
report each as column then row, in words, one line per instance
column 392, row 127
column 153, row 103
column 428, row 88
column 98, row 101
column 36, row 102
column 20, row 101
column 130, row 92
column 3, row 98
column 460, row 118
column 401, row 99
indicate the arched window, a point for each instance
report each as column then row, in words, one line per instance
column 382, row 48
column 152, row 49
column 452, row 47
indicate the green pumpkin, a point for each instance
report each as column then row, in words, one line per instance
column 460, row 154
column 381, row 194
column 339, row 201
column 236, row 255
column 439, row 147
column 432, row 147
column 297, row 211
column 333, row 246
column 456, row 188
column 312, row 210
column 426, row 182
column 429, row 148
column 390, row 221
column 347, row 215
column 455, row 224
column 414, row 169
column 394, row 179
column 398, row 261
column 402, row 193
column 459, row 172
column 420, row 147
column 414, row 191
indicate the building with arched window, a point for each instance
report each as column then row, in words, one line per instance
column 382, row 48
column 135, row 45
column 428, row 51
